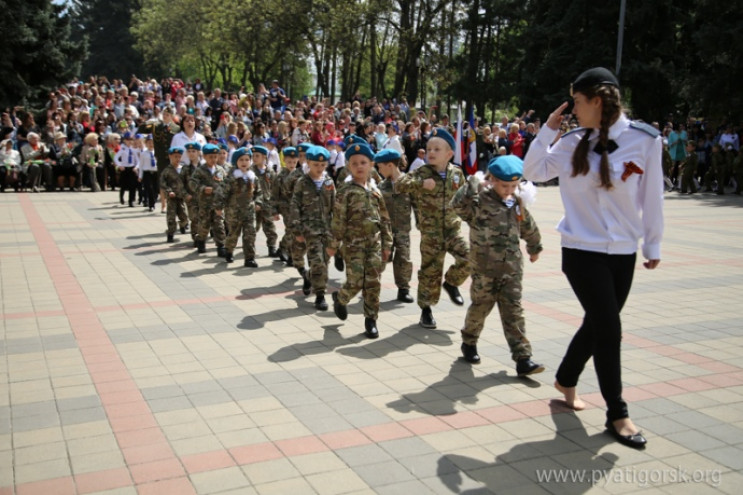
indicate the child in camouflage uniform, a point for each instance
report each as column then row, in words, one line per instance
column 298, row 248
column 282, row 196
column 266, row 216
column 689, row 169
column 175, row 192
column 312, row 208
column 205, row 182
column 361, row 226
column 432, row 187
column 193, row 152
column 240, row 193
column 399, row 208
column 497, row 220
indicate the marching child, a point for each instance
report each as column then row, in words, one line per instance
column 361, row 226
column 265, row 217
column 205, row 181
column 175, row 193
column 312, row 208
column 193, row 156
column 282, row 196
column 498, row 218
column 432, row 187
column 241, row 194
column 399, row 209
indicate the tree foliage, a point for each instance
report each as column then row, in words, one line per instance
column 38, row 53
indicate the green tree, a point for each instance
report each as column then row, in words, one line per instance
column 38, row 54
column 105, row 25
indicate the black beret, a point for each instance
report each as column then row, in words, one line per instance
column 593, row 77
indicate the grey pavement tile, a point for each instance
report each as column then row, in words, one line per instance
column 169, row 404
column 12, row 348
column 201, row 387
column 729, row 456
column 727, row 433
column 427, row 465
column 363, row 454
column 78, row 403
column 77, row 416
column 249, row 392
column 661, row 425
column 48, row 407
column 209, row 398
column 694, row 419
column 237, row 382
column 694, row 440
column 407, row 447
column 384, row 473
column 162, row 392
column 37, row 422
column 662, row 406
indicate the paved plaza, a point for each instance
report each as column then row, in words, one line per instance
column 128, row 365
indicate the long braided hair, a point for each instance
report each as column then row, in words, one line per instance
column 611, row 109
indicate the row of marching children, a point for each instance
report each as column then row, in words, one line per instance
column 363, row 211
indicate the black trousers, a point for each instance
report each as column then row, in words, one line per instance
column 602, row 283
column 128, row 182
column 150, row 187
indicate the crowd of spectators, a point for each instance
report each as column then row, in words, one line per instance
column 43, row 149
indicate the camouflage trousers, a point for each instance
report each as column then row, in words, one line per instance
column 298, row 251
column 176, row 208
column 245, row 223
column 433, row 251
column 265, row 221
column 288, row 238
column 402, row 267
column 193, row 215
column 318, row 261
column 363, row 273
column 208, row 220
column 505, row 290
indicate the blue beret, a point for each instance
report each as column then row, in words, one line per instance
column 210, row 149
column 233, row 139
column 127, row 135
column 359, row 149
column 260, row 149
column 303, row 147
column 354, row 139
column 271, row 141
column 221, row 141
column 138, row 136
column 192, row 146
column 238, row 153
column 148, row 137
column 291, row 151
column 175, row 149
column 387, row 155
column 506, row 167
column 318, row 154
column 223, row 146
column 442, row 133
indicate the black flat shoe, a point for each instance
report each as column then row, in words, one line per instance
column 454, row 294
column 470, row 353
column 636, row 441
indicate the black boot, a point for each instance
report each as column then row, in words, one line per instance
column 320, row 303
column 339, row 309
column 454, row 294
column 221, row 251
column 250, row 264
column 370, row 328
column 183, row 230
column 306, row 283
column 170, row 238
column 228, row 257
column 195, row 242
column 470, row 353
column 282, row 257
column 338, row 262
column 201, row 246
column 272, row 253
column 525, row 366
column 403, row 295
column 427, row 320
column 289, row 261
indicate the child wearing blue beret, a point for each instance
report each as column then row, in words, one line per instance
column 498, row 219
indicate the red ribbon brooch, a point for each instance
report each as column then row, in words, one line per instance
column 629, row 169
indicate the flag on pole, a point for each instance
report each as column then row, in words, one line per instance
column 458, row 150
column 472, row 145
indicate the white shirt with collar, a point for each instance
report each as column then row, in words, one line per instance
column 127, row 157
column 595, row 219
column 147, row 162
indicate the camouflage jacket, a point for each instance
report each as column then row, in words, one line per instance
column 202, row 178
column 360, row 218
column 267, row 180
column 239, row 195
column 312, row 208
column 171, row 181
column 280, row 200
column 187, row 170
column 436, row 217
column 398, row 206
column 495, row 229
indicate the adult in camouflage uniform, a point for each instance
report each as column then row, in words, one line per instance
column 240, row 193
column 361, row 225
column 282, row 196
column 431, row 187
column 399, row 208
column 162, row 135
column 689, row 169
column 716, row 170
column 193, row 160
column 312, row 208
column 175, row 192
column 204, row 182
column 497, row 220
column 266, row 216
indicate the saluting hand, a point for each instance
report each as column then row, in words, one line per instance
column 555, row 118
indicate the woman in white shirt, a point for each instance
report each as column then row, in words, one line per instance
column 611, row 184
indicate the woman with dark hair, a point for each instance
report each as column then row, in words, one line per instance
column 611, row 184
